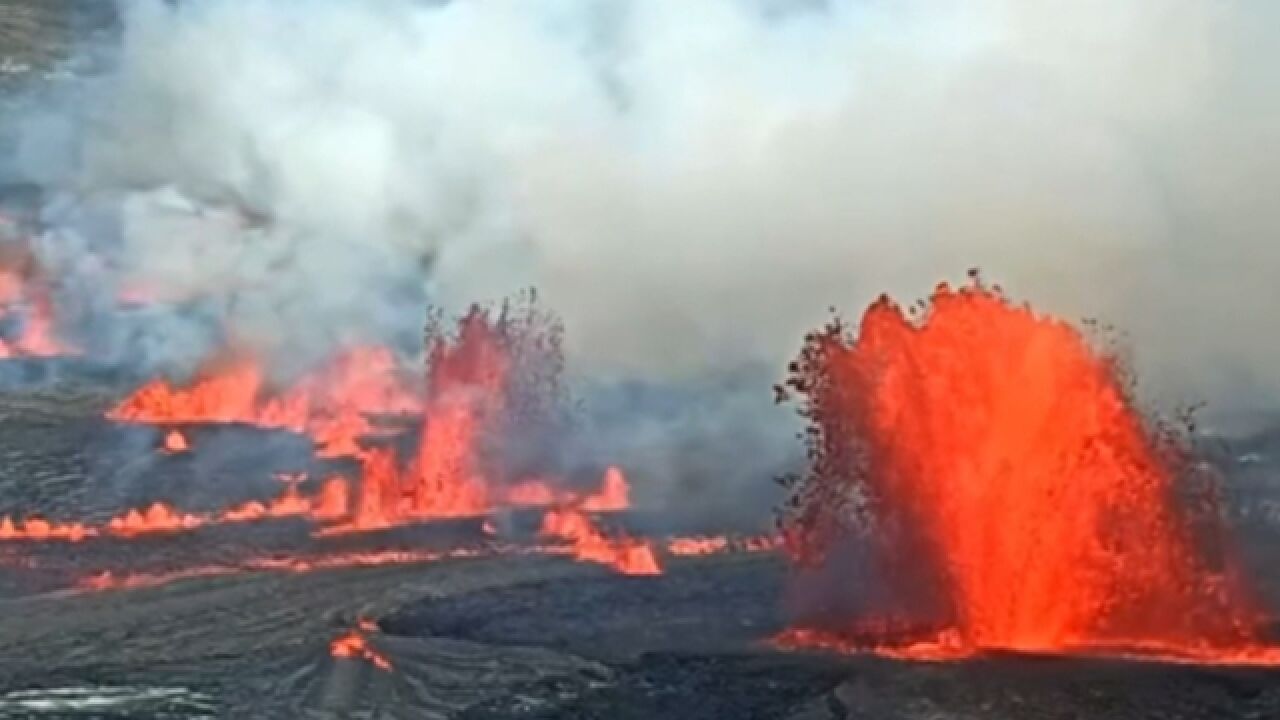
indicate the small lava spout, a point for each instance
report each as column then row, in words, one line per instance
column 175, row 442
column 614, row 494
column 627, row 555
column 1009, row 494
column 354, row 645
column 333, row 500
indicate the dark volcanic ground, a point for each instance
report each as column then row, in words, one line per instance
column 496, row 636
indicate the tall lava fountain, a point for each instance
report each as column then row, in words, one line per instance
column 1010, row 493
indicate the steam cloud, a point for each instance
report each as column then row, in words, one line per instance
column 691, row 185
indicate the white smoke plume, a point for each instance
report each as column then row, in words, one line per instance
column 691, row 185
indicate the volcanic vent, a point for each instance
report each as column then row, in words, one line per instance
column 983, row 475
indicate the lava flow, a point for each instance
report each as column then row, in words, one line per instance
column 330, row 404
column 628, row 556
column 39, row 529
column 156, row 518
column 1008, row 493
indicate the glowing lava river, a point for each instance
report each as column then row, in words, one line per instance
column 372, row 540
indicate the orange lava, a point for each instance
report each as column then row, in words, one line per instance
column 175, row 442
column 488, row 374
column 353, row 645
column 329, row 504
column 333, row 501
column 698, row 545
column 720, row 544
column 465, row 381
column 158, row 518
column 39, row 529
column 29, row 302
column 107, row 580
column 628, row 556
column 943, row 646
column 330, row 404
column 997, row 467
column 531, row 493
column 468, row 387
column 614, row 494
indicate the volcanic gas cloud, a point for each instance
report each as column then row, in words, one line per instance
column 983, row 469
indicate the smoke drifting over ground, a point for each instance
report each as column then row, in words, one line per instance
column 690, row 186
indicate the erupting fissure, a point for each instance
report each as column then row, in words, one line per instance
column 489, row 378
column 987, row 471
column 489, row 370
column 332, row 404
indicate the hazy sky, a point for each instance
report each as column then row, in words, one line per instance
column 692, row 185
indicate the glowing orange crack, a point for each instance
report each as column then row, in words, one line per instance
column 354, row 645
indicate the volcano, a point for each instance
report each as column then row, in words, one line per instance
column 983, row 490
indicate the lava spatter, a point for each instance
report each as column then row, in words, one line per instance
column 175, row 442
column 331, row 404
column 629, row 556
column 995, row 464
column 355, row 645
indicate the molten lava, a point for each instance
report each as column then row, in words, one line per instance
column 331, row 404
column 465, row 383
column 627, row 555
column 476, row 376
column 25, row 304
column 490, row 396
column 39, row 529
column 355, row 645
column 998, row 470
column 108, row 580
column 175, row 442
column 720, row 544
column 155, row 519
column 330, row 503
column 712, row 545
column 614, row 494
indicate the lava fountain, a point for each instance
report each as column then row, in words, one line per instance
column 991, row 469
